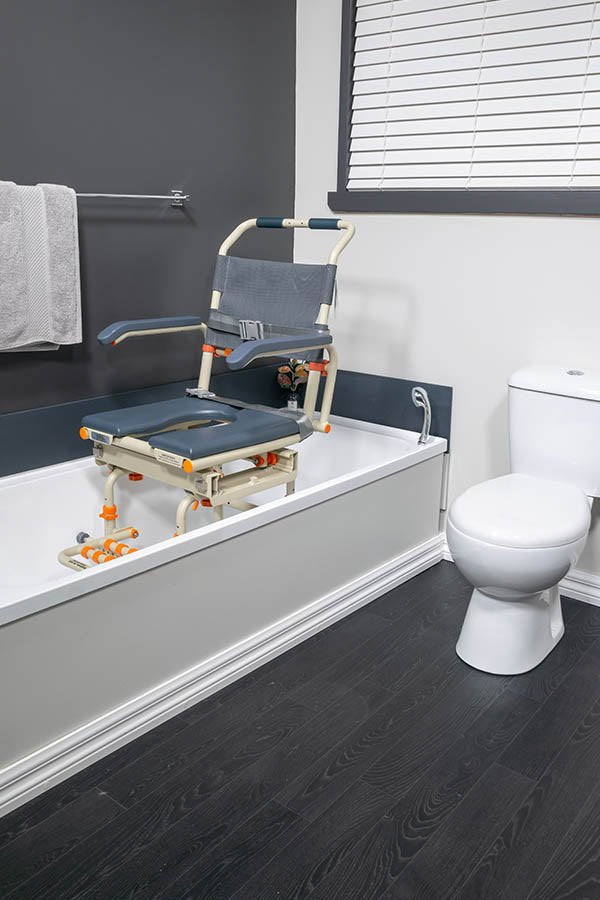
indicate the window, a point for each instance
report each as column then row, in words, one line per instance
column 470, row 106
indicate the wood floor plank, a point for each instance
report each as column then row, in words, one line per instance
column 31, row 814
column 398, row 836
column 392, row 659
column 52, row 838
column 278, row 678
column 441, row 866
column 574, row 870
column 221, row 763
column 214, row 816
column 539, row 743
column 321, row 851
column 519, row 853
column 582, row 629
column 168, row 862
column 320, row 785
column 431, row 584
column 219, row 873
column 429, row 634
column 428, row 736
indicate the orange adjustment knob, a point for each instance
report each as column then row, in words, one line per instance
column 195, row 505
column 187, row 466
column 135, row 476
column 109, row 513
column 327, row 429
column 83, row 433
column 259, row 460
column 271, row 459
column 206, row 502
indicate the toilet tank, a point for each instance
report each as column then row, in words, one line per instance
column 554, row 425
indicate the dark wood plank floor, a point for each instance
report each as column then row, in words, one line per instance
column 367, row 763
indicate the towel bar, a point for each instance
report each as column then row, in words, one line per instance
column 177, row 197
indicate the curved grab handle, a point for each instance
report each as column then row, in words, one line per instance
column 277, row 222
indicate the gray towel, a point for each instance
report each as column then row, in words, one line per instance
column 13, row 273
column 48, row 313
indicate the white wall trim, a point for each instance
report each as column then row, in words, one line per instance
column 581, row 585
column 446, row 550
column 51, row 764
column 577, row 584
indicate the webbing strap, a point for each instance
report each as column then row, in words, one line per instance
column 221, row 321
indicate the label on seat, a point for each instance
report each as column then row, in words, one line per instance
column 171, row 459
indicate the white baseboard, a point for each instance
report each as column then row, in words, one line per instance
column 577, row 584
column 581, row 585
column 46, row 767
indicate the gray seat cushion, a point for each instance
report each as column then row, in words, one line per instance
column 242, row 428
column 153, row 417
column 250, row 427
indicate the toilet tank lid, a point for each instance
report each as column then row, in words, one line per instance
column 565, row 381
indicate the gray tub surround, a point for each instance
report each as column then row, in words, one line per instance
column 40, row 293
column 40, row 437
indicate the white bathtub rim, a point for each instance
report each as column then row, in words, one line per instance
column 168, row 550
column 37, row 772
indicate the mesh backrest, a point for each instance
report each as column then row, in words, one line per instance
column 278, row 293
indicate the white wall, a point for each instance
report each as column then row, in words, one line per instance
column 458, row 300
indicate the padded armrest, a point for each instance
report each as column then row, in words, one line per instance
column 118, row 331
column 287, row 343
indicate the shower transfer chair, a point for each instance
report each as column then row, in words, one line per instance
column 258, row 309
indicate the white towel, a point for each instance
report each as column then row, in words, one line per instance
column 42, row 232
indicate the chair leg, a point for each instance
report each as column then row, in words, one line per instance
column 188, row 500
column 109, row 510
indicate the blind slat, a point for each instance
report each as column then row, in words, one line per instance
column 451, row 94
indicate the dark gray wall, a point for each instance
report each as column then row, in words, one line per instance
column 139, row 97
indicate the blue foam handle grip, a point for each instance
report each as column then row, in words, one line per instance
column 269, row 222
column 323, row 223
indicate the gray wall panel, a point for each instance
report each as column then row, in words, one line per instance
column 139, row 98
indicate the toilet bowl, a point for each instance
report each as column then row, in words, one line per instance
column 514, row 538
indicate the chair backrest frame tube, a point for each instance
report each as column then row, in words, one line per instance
column 323, row 316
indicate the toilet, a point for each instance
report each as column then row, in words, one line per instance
column 515, row 537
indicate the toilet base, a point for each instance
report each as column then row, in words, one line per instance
column 510, row 636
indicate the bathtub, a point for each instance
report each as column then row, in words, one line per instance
column 91, row 660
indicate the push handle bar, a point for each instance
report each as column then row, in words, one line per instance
column 277, row 222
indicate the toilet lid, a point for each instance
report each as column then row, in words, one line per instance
column 521, row 511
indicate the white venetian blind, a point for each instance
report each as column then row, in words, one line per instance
column 471, row 94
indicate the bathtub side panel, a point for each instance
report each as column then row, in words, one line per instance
column 64, row 667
